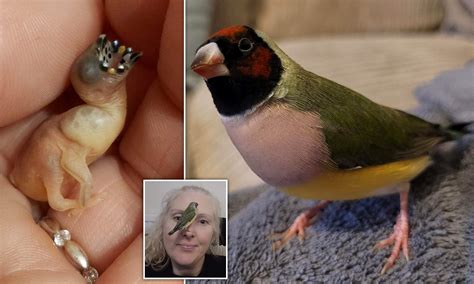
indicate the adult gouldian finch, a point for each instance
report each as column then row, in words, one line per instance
column 188, row 217
column 310, row 136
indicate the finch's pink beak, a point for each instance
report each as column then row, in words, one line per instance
column 209, row 62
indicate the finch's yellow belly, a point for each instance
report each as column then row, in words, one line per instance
column 359, row 183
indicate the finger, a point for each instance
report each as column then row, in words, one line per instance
column 170, row 64
column 40, row 40
column 157, row 30
column 128, row 267
column 139, row 23
column 18, row 132
column 153, row 143
column 107, row 228
column 25, row 247
column 139, row 81
column 21, row 130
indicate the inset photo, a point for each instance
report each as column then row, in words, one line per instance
column 185, row 229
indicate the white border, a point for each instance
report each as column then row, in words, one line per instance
column 226, row 228
column 184, row 89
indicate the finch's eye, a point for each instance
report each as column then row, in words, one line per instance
column 245, row 44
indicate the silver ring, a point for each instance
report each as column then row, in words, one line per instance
column 75, row 253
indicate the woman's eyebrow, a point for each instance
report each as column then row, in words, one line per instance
column 204, row 215
column 174, row 211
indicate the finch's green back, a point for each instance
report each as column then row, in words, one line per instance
column 360, row 132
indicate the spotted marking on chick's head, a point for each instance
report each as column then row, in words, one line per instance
column 115, row 58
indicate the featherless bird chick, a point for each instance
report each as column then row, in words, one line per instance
column 63, row 146
column 310, row 136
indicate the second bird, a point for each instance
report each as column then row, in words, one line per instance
column 188, row 217
column 310, row 136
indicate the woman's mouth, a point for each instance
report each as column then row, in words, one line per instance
column 187, row 247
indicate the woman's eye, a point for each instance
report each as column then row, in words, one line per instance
column 203, row 221
column 177, row 218
column 245, row 45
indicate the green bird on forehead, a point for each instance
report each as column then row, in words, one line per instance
column 188, row 217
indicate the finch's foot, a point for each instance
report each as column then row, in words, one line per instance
column 399, row 237
column 298, row 227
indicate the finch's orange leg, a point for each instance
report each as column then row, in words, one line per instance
column 298, row 226
column 399, row 237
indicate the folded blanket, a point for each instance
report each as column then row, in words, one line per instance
column 338, row 246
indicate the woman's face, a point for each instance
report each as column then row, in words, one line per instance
column 187, row 248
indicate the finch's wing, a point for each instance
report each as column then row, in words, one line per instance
column 188, row 216
column 359, row 132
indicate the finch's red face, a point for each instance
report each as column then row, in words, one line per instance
column 239, row 67
column 237, row 47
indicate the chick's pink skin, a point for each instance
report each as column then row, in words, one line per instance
column 187, row 248
column 60, row 150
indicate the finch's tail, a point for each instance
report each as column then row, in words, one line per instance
column 458, row 130
column 461, row 136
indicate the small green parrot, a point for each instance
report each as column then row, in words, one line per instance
column 188, row 217
column 310, row 136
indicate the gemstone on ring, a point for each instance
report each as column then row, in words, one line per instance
column 90, row 274
column 61, row 237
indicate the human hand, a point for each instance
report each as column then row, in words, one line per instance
column 39, row 47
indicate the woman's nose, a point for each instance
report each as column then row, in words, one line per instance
column 189, row 231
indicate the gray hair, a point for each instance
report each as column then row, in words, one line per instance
column 155, row 253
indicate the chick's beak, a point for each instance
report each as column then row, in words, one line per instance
column 209, row 62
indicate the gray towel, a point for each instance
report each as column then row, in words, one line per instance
column 338, row 246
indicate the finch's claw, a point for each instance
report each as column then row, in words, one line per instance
column 405, row 248
column 297, row 228
column 399, row 240
column 275, row 236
